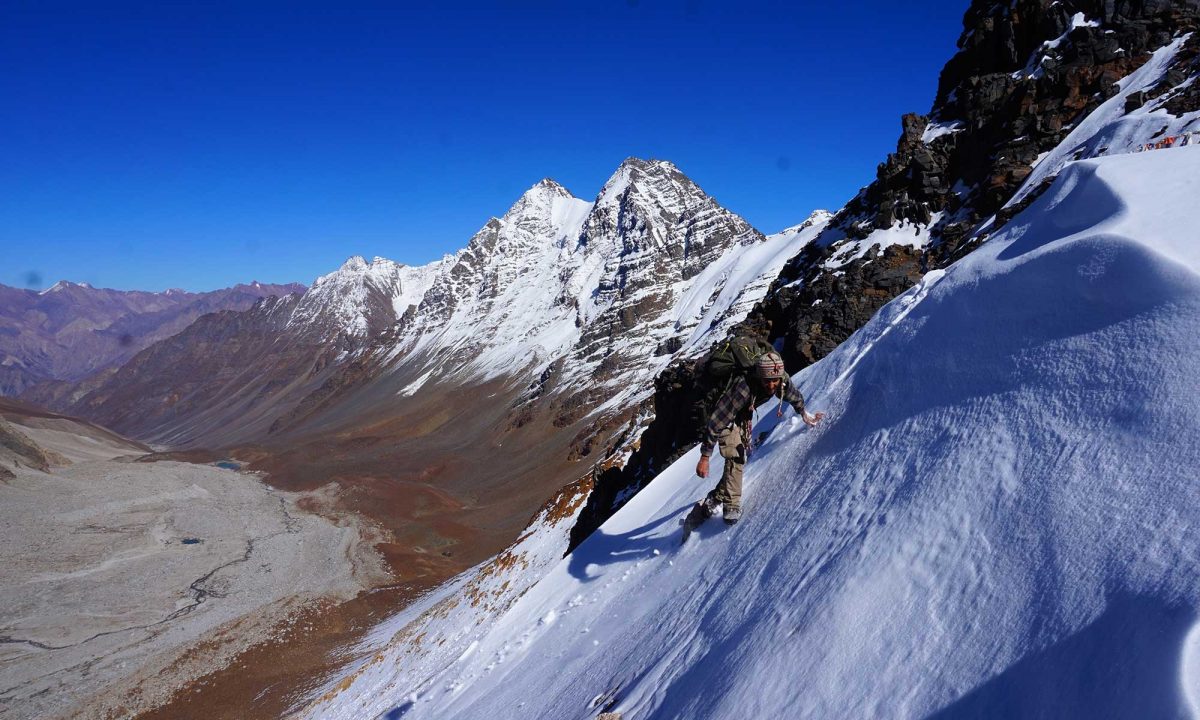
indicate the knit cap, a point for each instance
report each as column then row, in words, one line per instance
column 769, row 366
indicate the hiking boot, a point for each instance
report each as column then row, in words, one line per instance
column 732, row 515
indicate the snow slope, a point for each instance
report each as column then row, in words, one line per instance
column 996, row 519
column 721, row 296
column 729, row 287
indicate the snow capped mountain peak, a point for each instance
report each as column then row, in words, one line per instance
column 549, row 186
column 653, row 182
column 817, row 217
column 356, row 268
column 529, row 280
column 56, row 287
column 360, row 297
column 647, row 166
column 383, row 265
column 651, row 204
column 557, row 277
column 62, row 285
column 547, row 209
column 354, row 263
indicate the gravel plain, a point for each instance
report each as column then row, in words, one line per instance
column 124, row 581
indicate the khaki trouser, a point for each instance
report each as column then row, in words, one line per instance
column 728, row 491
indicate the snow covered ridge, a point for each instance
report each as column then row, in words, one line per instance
column 998, row 515
column 612, row 282
column 432, row 633
column 360, row 297
column 558, row 277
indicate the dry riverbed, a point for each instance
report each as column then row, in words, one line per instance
column 123, row 582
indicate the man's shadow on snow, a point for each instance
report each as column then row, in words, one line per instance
column 638, row 544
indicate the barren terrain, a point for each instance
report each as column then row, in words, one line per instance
column 125, row 581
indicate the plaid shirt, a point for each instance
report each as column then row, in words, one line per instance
column 737, row 405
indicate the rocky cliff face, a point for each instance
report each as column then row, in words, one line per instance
column 1026, row 73
column 1026, row 80
column 653, row 231
column 72, row 330
column 1035, row 84
column 650, row 234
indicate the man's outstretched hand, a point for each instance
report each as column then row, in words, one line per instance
column 702, row 467
column 812, row 420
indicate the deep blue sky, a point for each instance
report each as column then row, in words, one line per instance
column 196, row 146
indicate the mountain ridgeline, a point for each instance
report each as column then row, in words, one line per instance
column 558, row 294
column 1012, row 108
column 69, row 331
column 397, row 384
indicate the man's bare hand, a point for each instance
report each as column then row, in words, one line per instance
column 702, row 467
column 813, row 419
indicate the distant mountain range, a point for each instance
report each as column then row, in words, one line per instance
column 72, row 330
column 571, row 302
column 398, row 384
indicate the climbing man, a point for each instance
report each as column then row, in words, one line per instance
column 729, row 429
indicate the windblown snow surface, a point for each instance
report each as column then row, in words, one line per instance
column 999, row 517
